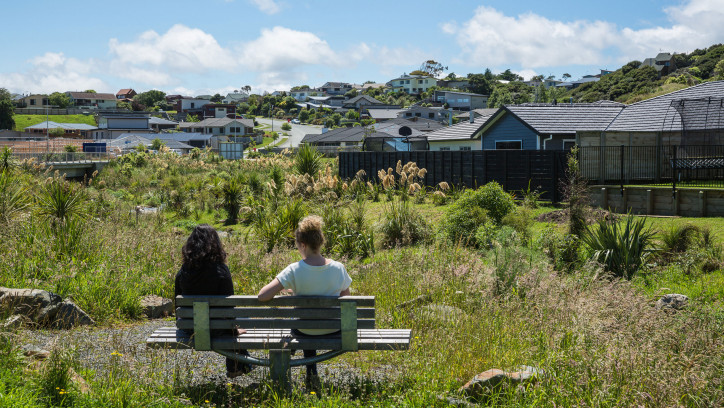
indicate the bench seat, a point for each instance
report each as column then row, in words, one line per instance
column 266, row 339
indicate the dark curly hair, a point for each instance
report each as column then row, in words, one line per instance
column 203, row 246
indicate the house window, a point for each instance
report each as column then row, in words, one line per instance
column 222, row 130
column 407, row 82
column 444, row 149
column 568, row 144
column 192, row 105
column 431, row 115
column 465, row 148
column 509, row 145
column 32, row 102
column 408, row 114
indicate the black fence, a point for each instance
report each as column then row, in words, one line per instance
column 515, row 170
column 684, row 166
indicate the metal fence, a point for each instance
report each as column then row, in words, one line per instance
column 515, row 170
column 684, row 166
column 65, row 157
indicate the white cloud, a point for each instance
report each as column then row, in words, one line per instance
column 491, row 38
column 266, row 6
column 53, row 72
column 282, row 49
column 181, row 48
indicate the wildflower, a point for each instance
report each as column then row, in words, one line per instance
column 115, row 353
column 207, row 401
column 313, row 393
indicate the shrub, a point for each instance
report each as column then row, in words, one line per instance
column 623, row 250
column 485, row 234
column 286, row 126
column 472, row 209
column 521, row 220
column 61, row 200
column 308, row 160
column 233, row 194
column 400, row 226
column 679, row 238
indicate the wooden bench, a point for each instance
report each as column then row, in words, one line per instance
column 268, row 327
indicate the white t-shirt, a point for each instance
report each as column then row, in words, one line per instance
column 307, row 280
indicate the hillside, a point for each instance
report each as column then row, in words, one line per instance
column 23, row 121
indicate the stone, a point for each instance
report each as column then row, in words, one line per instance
column 155, row 307
column 223, row 234
column 480, row 386
column 69, row 315
column 143, row 210
column 39, row 306
column 672, row 301
column 15, row 322
column 35, row 352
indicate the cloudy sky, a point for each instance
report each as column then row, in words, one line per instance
column 210, row 46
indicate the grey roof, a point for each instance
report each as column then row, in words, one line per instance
column 366, row 97
column 656, row 114
column 69, row 126
column 461, row 131
column 184, row 136
column 351, row 135
column 131, row 140
column 421, row 124
column 478, row 112
column 564, row 119
column 91, row 95
column 217, row 122
column 160, row 121
column 384, row 113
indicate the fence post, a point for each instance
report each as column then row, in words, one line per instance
column 621, row 176
column 674, row 165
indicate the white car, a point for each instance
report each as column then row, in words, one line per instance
column 296, row 121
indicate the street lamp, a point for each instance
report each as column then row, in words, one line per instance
column 271, row 112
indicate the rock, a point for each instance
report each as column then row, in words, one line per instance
column 457, row 402
column 35, row 352
column 155, row 307
column 38, row 305
column 223, row 234
column 70, row 315
column 443, row 313
column 15, row 322
column 494, row 379
column 673, row 301
column 143, row 210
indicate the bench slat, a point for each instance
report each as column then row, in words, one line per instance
column 188, row 324
column 388, row 333
column 298, row 301
column 307, row 313
column 377, row 339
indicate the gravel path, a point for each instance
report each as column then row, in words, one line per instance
column 122, row 350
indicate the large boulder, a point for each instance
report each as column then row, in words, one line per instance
column 42, row 308
column 487, row 382
column 155, row 307
column 672, row 301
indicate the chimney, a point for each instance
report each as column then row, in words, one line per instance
column 472, row 116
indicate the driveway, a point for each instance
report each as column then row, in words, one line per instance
column 295, row 135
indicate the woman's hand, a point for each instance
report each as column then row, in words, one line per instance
column 267, row 292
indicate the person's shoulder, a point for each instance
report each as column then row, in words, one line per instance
column 336, row 264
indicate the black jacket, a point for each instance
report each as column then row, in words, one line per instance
column 210, row 279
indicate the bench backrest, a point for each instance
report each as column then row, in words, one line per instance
column 205, row 313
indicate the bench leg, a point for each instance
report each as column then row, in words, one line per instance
column 280, row 368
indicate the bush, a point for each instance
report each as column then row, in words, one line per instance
column 521, row 220
column 308, row 160
column 492, row 198
column 233, row 193
column 286, row 126
column 679, row 238
column 622, row 250
column 400, row 226
column 472, row 209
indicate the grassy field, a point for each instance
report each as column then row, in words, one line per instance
column 502, row 300
column 23, row 121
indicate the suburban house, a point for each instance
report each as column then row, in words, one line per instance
column 184, row 104
column 663, row 62
column 112, row 125
column 340, row 137
column 192, row 139
column 688, row 117
column 213, row 110
column 383, row 114
column 575, row 84
column 546, row 83
column 476, row 113
column 128, row 142
column 461, row 136
column 90, row 100
column 235, row 98
column 220, row 127
column 360, row 101
column 372, row 85
column 74, row 130
column 160, row 124
column 303, row 95
column 328, row 100
column 464, row 101
column 458, row 83
column 34, row 101
column 411, row 84
column 418, row 124
column 125, row 95
column 336, row 88
column 544, row 126
column 431, row 112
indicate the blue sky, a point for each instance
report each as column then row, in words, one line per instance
column 209, row 46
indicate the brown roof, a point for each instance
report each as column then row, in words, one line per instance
column 124, row 91
column 91, row 95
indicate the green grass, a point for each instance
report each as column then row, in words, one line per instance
column 23, row 121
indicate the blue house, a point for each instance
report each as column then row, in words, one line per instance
column 544, row 126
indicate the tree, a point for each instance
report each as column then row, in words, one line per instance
column 124, row 106
column 719, row 69
column 56, row 132
column 508, row 75
column 566, row 76
column 432, row 68
column 58, row 99
column 351, row 115
column 156, row 144
column 304, row 115
column 299, row 88
column 6, row 110
column 90, row 91
column 351, row 93
column 149, row 98
column 336, row 118
column 286, row 126
column 217, row 98
column 478, row 83
column 192, row 118
column 246, row 88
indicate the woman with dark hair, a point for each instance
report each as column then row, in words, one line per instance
column 204, row 272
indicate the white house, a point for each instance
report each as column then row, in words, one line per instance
column 412, row 84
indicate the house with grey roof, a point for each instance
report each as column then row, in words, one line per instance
column 437, row 113
column 91, row 100
column 476, row 113
column 361, row 101
column 112, row 125
column 336, row 88
column 463, row 101
column 461, row 136
column 128, row 142
column 235, row 97
column 544, row 126
column 664, row 63
column 160, row 124
column 419, row 124
column 82, row 130
column 383, row 114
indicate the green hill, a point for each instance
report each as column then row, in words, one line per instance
column 23, row 121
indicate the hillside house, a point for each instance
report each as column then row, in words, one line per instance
column 33, row 101
column 461, row 136
column 463, row 101
column 431, row 112
column 336, row 88
column 125, row 95
column 186, row 104
column 112, row 125
column 664, row 63
column 220, row 127
column 411, row 84
column 72, row 130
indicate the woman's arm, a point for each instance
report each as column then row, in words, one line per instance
column 267, row 292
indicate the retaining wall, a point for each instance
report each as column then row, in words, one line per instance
column 687, row 202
